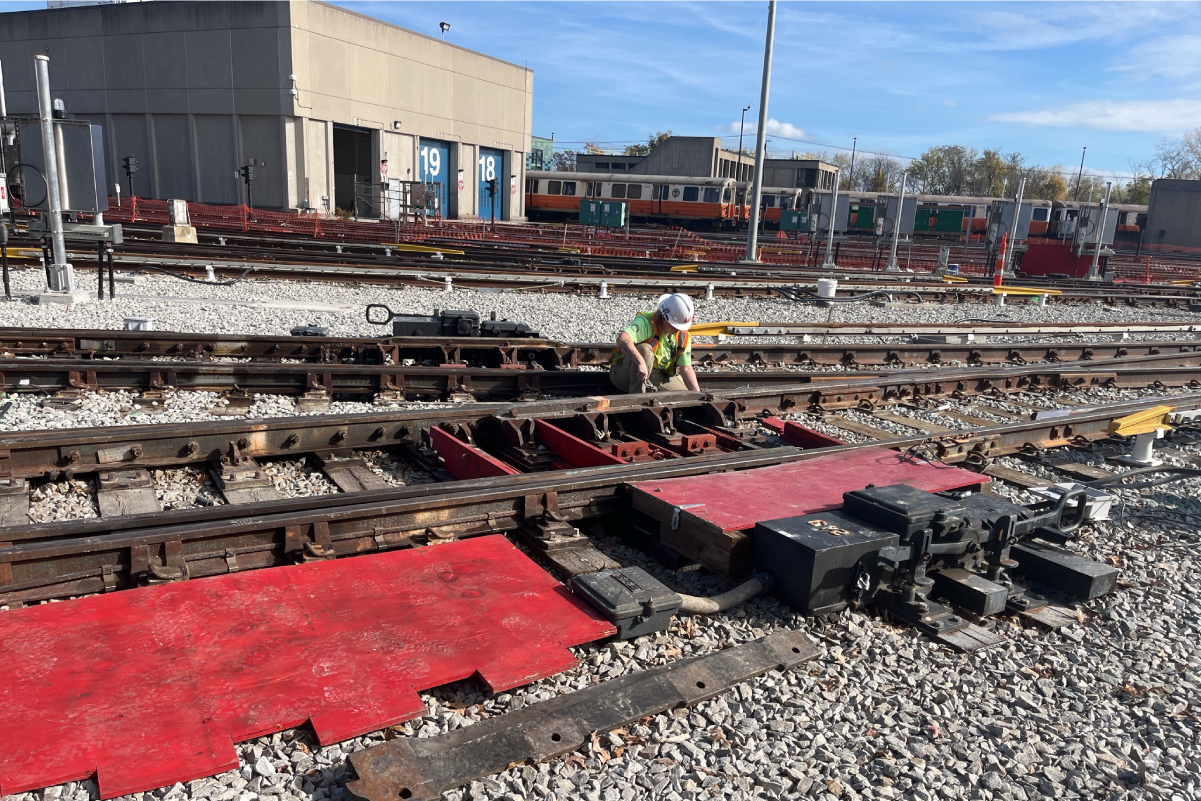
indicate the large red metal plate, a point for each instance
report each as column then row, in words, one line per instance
column 151, row 686
column 737, row 501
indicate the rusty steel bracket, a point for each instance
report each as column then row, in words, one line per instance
column 420, row 769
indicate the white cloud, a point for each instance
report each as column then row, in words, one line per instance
column 1161, row 116
column 1171, row 56
column 950, row 103
column 785, row 130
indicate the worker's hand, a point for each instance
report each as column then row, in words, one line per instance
column 643, row 372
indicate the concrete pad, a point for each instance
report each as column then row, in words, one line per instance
column 179, row 233
column 64, row 298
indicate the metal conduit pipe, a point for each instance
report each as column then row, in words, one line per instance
column 697, row 605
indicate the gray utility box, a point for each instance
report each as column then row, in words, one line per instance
column 812, row 558
column 631, row 598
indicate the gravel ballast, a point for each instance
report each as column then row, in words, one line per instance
column 1104, row 709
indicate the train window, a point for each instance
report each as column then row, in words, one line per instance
column 769, row 201
column 711, row 194
column 786, row 201
column 634, row 192
column 691, row 193
column 555, row 188
column 725, row 196
column 569, row 187
column 1040, row 215
column 619, row 190
column 532, row 186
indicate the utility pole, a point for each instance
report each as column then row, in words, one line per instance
column 851, row 172
column 1093, row 274
column 1079, row 176
column 829, row 264
column 741, row 126
column 892, row 266
column 752, row 235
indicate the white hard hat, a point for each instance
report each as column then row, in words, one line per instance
column 678, row 310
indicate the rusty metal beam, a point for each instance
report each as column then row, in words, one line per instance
column 421, row 769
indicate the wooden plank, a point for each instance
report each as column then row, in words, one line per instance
column 924, row 426
column 1015, row 477
column 1072, row 468
column 856, row 427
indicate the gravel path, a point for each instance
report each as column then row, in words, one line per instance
column 1104, row 709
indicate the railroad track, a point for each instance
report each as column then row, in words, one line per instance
column 554, row 489
column 319, row 384
column 493, row 265
column 550, row 355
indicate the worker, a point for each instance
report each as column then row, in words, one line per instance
column 656, row 347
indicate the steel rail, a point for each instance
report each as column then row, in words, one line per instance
column 79, row 451
column 498, row 352
column 83, row 556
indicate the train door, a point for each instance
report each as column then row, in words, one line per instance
column 491, row 165
column 433, row 161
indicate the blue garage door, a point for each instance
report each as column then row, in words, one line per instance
column 434, row 165
column 491, row 165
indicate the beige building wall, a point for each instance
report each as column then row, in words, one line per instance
column 194, row 90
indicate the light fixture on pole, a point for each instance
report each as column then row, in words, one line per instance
column 741, row 127
column 445, row 26
column 752, row 236
column 1079, row 175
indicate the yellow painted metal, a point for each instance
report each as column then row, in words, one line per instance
column 713, row 329
column 685, row 268
column 1143, row 422
column 1023, row 290
column 954, row 279
column 23, row 253
column 423, row 249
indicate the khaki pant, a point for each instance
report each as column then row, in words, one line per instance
column 624, row 374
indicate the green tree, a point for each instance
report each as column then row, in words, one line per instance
column 652, row 142
column 1138, row 191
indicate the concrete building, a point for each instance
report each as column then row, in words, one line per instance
column 1174, row 214
column 321, row 98
column 704, row 157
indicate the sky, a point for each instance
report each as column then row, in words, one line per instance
column 1044, row 79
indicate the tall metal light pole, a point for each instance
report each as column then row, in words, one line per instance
column 1079, row 175
column 741, row 127
column 752, row 235
column 892, row 266
column 61, row 277
column 851, row 172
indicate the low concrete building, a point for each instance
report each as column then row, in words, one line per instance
column 322, row 99
column 704, row 157
column 1174, row 214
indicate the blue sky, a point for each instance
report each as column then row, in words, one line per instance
column 1041, row 78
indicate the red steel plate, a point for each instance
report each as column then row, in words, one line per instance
column 151, row 686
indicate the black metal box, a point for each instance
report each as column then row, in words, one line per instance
column 460, row 323
column 507, row 330
column 813, row 558
column 899, row 508
column 631, row 598
column 1065, row 571
column 416, row 325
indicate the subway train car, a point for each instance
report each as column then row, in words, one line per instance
column 712, row 203
column 1131, row 219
